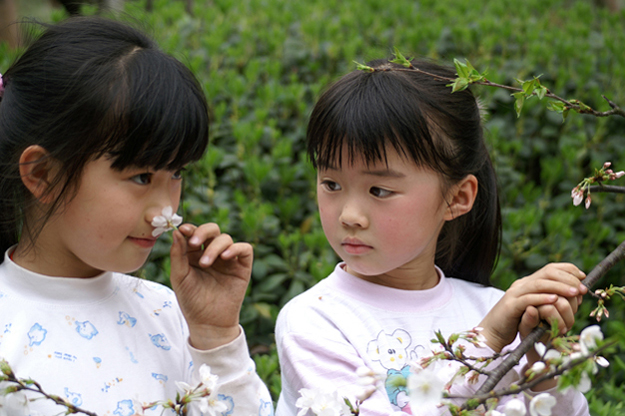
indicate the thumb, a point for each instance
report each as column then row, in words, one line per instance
column 178, row 257
column 529, row 321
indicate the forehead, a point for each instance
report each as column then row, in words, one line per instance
column 350, row 158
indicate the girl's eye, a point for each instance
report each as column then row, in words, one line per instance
column 142, row 178
column 379, row 192
column 331, row 186
column 177, row 174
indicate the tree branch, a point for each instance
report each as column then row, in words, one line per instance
column 515, row 356
column 607, row 188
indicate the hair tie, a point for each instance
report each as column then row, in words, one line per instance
column 1, row 86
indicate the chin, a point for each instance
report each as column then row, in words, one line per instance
column 365, row 270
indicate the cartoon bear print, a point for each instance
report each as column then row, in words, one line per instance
column 391, row 351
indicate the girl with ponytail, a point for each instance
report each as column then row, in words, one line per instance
column 408, row 199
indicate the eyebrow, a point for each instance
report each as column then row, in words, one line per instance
column 385, row 173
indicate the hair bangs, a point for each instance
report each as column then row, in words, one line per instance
column 161, row 128
column 365, row 114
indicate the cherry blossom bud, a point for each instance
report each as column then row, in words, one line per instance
column 619, row 174
column 607, row 165
column 578, row 196
column 588, row 201
column 538, row 367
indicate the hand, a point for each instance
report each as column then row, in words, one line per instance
column 552, row 293
column 210, row 274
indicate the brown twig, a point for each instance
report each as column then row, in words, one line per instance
column 482, row 398
column 537, row 333
column 607, row 188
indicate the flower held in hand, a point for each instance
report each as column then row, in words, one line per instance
column 165, row 222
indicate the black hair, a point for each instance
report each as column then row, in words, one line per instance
column 90, row 88
column 414, row 112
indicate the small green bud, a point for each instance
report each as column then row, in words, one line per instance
column 364, row 68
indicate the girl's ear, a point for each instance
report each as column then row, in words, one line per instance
column 38, row 171
column 461, row 197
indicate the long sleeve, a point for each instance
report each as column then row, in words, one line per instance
column 239, row 385
column 343, row 323
column 314, row 362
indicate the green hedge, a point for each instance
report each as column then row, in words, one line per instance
column 262, row 64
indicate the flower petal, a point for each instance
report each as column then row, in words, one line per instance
column 167, row 212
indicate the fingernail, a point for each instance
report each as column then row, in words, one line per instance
column 194, row 241
column 204, row 261
column 573, row 291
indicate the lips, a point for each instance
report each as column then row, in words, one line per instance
column 354, row 246
column 143, row 242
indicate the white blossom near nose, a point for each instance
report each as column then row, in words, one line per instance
column 168, row 220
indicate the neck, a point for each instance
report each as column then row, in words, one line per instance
column 421, row 278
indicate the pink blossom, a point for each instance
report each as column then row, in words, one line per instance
column 588, row 201
column 577, row 195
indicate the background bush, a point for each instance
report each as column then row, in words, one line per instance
column 262, row 63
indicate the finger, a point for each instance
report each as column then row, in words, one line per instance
column 517, row 306
column 551, row 314
column 529, row 321
column 566, row 309
column 243, row 252
column 565, row 272
column 214, row 249
column 546, row 285
column 200, row 235
column 178, row 257
column 569, row 268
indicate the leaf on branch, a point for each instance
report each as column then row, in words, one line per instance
column 459, row 84
column 582, row 107
column 400, row 59
column 519, row 98
column 461, row 69
column 362, row 67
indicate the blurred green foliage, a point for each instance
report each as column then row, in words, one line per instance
column 262, row 63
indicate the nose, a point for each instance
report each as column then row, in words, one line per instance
column 158, row 204
column 353, row 215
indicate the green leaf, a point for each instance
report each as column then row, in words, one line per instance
column 519, row 101
column 541, row 91
column 461, row 69
column 557, row 106
column 459, row 84
column 400, row 59
column 362, row 67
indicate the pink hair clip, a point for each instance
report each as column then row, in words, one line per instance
column 1, row 86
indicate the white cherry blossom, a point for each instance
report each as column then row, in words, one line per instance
column 211, row 405
column 425, row 387
column 321, row 403
column 589, row 337
column 515, row 407
column 541, row 405
column 168, row 220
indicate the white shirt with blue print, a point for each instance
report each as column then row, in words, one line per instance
column 110, row 342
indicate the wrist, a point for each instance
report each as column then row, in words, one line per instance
column 492, row 338
column 207, row 337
